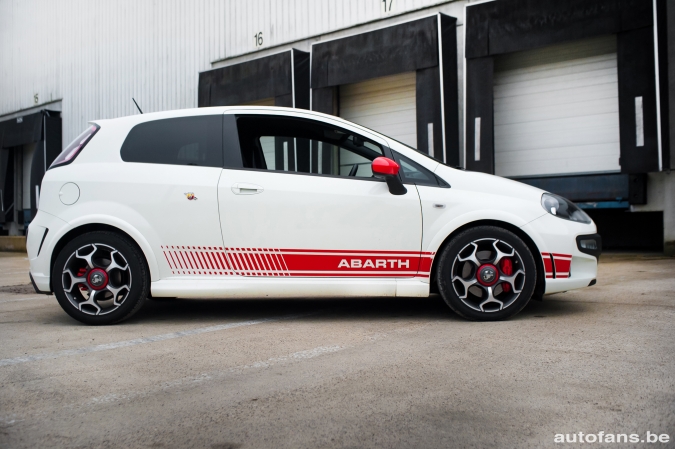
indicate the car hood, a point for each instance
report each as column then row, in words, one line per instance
column 485, row 183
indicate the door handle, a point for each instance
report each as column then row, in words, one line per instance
column 242, row 188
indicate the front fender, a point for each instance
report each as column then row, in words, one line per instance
column 446, row 210
column 452, row 224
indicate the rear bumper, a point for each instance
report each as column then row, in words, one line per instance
column 43, row 236
column 37, row 289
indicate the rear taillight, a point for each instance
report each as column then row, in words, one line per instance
column 71, row 151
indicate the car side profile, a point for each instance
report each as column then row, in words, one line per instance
column 250, row 202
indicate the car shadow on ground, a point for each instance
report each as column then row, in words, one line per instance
column 341, row 309
column 208, row 311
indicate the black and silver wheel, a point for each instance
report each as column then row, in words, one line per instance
column 100, row 278
column 486, row 273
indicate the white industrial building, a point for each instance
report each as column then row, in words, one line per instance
column 576, row 96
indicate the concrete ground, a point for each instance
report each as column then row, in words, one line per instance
column 389, row 373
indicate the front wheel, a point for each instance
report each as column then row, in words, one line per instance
column 100, row 278
column 486, row 273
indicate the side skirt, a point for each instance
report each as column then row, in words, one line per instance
column 289, row 288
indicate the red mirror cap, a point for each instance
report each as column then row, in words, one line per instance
column 385, row 166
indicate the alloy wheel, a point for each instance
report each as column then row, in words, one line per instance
column 488, row 275
column 96, row 279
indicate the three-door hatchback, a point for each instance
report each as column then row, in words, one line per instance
column 249, row 202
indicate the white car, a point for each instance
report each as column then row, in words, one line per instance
column 251, row 202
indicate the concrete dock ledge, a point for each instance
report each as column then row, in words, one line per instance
column 14, row 243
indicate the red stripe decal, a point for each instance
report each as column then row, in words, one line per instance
column 172, row 257
column 202, row 264
column 269, row 260
column 282, row 264
column 191, row 266
column 425, row 264
column 223, row 261
column 561, row 255
column 562, row 266
column 209, row 262
column 350, row 275
column 167, row 259
column 242, row 260
column 202, row 259
column 548, row 266
column 346, row 251
column 301, row 262
column 256, row 262
column 193, row 261
column 268, row 263
column 249, row 261
column 277, row 262
column 261, row 260
column 238, row 262
column 232, row 261
column 214, row 261
column 176, row 258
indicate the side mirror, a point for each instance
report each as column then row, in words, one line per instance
column 388, row 169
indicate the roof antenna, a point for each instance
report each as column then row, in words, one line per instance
column 139, row 109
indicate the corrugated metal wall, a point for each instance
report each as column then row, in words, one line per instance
column 292, row 20
column 95, row 55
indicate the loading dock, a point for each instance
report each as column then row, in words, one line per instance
column 28, row 145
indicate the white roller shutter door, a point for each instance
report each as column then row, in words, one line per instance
column 556, row 110
column 386, row 105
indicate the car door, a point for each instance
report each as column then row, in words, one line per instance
column 304, row 203
column 170, row 179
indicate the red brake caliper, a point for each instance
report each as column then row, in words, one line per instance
column 80, row 274
column 507, row 268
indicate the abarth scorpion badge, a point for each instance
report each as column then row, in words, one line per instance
column 190, row 196
column 488, row 275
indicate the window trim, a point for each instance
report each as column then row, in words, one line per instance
column 281, row 172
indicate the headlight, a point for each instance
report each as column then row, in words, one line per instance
column 563, row 208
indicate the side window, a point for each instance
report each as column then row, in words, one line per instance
column 413, row 173
column 305, row 146
column 177, row 141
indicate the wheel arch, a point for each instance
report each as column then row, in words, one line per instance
column 540, row 285
column 91, row 227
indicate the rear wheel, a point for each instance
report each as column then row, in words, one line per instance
column 486, row 273
column 100, row 278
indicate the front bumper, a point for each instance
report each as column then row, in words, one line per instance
column 566, row 263
column 590, row 244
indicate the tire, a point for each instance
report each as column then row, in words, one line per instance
column 486, row 273
column 100, row 278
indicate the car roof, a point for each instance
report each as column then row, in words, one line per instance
column 191, row 112
column 130, row 121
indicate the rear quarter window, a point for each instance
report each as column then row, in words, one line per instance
column 176, row 141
